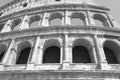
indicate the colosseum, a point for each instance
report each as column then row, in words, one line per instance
column 58, row 40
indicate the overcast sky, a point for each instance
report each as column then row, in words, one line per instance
column 114, row 5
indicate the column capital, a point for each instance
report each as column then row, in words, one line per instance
column 13, row 49
column 65, row 33
column 40, row 47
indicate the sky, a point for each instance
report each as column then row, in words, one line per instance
column 114, row 5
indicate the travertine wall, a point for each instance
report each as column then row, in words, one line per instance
column 17, row 33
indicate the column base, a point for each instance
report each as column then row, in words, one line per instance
column 30, row 66
column 1, row 67
column 104, row 66
column 66, row 65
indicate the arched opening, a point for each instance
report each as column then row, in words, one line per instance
column 51, row 52
column 52, row 55
column 77, row 19
column 15, row 24
column 111, row 50
column 1, row 26
column 34, row 21
column 81, row 51
column 24, row 49
column 1, row 13
column 81, row 55
column 3, row 49
column 100, row 20
column 55, row 19
column 110, row 56
column 25, row 4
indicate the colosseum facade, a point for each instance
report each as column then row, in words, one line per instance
column 58, row 40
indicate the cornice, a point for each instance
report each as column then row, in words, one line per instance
column 53, row 8
column 10, row 4
column 79, row 30
column 94, row 74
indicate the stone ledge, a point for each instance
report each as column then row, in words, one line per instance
column 82, row 30
column 59, row 75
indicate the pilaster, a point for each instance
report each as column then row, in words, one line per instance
column 90, row 18
column 6, row 59
column 108, row 22
column 67, row 18
column 102, row 63
column 35, row 50
column 45, row 20
column 40, row 55
column 86, row 20
column 67, row 52
column 94, row 54
column 100, row 55
column 7, row 27
column 62, row 53
column 36, row 57
column 25, row 23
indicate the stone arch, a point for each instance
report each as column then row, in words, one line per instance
column 78, row 19
column 51, row 53
column 111, row 51
column 100, row 20
column 82, row 51
column 16, row 24
column 23, row 51
column 3, row 49
column 55, row 19
column 34, row 21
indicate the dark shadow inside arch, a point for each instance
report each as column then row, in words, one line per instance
column 55, row 19
column 110, row 56
column 77, row 19
column 81, row 55
column 23, row 56
column 52, row 55
column 15, row 24
column 100, row 20
column 1, row 55
column 3, row 49
column 1, row 26
column 34, row 21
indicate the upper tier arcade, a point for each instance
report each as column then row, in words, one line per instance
column 19, row 5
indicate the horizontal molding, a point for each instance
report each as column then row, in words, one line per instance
column 55, row 30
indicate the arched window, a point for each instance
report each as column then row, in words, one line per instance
column 55, row 19
column 25, row 4
column 34, row 21
column 111, row 50
column 51, row 52
column 3, row 49
column 24, row 49
column 15, row 24
column 78, row 19
column 2, row 26
column 81, row 51
column 100, row 20
column 1, row 13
